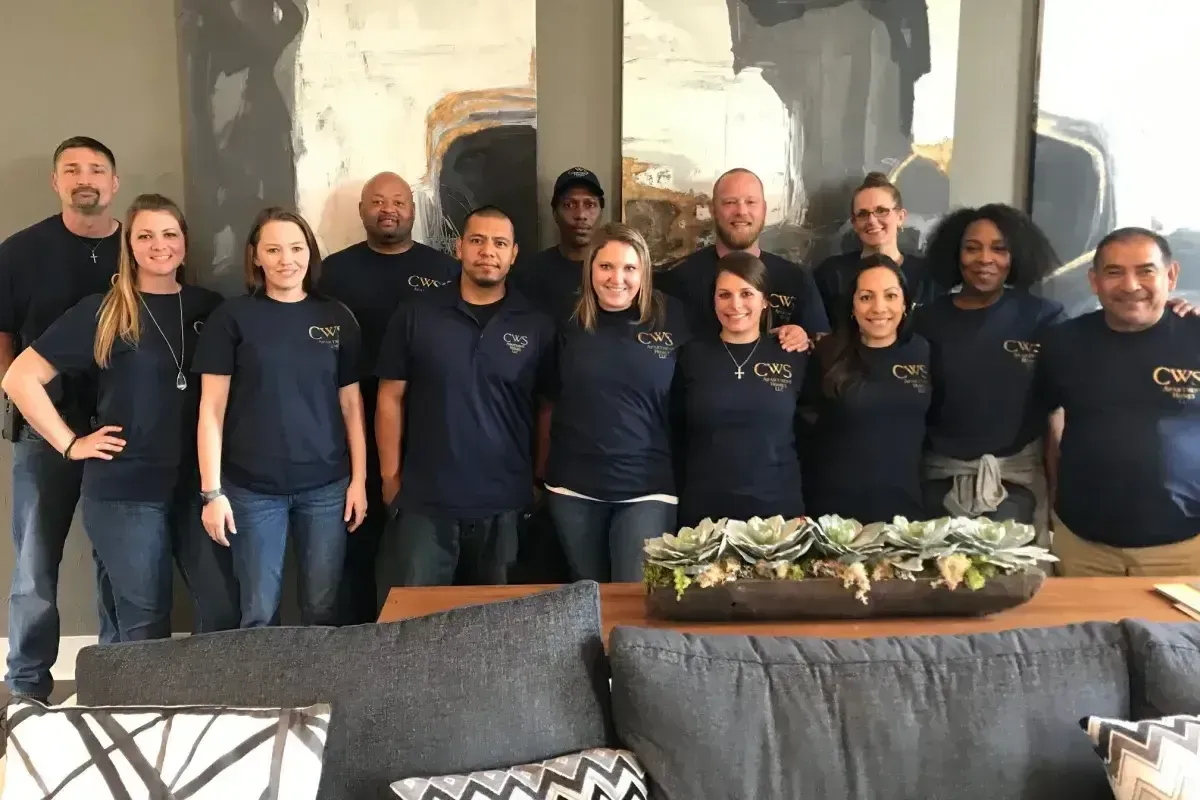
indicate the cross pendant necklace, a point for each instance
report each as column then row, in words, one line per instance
column 94, row 257
column 739, row 372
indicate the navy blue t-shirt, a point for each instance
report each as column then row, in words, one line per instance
column 138, row 392
column 1129, row 471
column 736, row 436
column 610, row 437
column 982, row 371
column 550, row 280
column 284, row 431
column 470, row 401
column 865, row 461
column 45, row 270
column 372, row 285
column 793, row 297
column 835, row 281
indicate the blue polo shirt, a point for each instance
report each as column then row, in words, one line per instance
column 982, row 364
column 793, row 296
column 1129, row 471
column 284, row 431
column 610, row 438
column 865, row 461
column 737, row 437
column 470, row 402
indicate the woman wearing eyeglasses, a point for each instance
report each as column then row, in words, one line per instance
column 877, row 212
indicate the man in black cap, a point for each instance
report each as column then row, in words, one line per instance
column 551, row 278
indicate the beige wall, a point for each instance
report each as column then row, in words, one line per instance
column 109, row 70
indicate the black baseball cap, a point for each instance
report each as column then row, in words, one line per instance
column 577, row 176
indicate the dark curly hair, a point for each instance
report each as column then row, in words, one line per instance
column 1031, row 254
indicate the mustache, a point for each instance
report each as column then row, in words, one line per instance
column 82, row 189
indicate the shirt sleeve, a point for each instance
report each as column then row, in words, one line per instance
column 825, row 279
column 395, row 349
column 216, row 351
column 1047, row 394
column 350, row 367
column 547, row 374
column 69, row 343
column 811, row 315
column 10, row 303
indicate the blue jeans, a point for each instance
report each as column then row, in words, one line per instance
column 314, row 518
column 603, row 541
column 45, row 493
column 423, row 550
column 136, row 542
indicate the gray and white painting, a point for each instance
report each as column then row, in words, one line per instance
column 299, row 102
column 810, row 94
column 1114, row 127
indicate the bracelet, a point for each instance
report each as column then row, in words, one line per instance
column 67, row 449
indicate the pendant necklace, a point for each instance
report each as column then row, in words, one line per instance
column 93, row 249
column 180, row 378
column 739, row 372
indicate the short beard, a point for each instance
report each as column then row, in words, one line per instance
column 91, row 209
column 737, row 243
column 398, row 236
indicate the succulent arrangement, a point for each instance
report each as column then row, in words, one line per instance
column 949, row 551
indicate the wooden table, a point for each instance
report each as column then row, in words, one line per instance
column 1061, row 601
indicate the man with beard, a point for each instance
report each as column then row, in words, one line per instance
column 461, row 375
column 372, row 278
column 739, row 211
column 46, row 269
column 551, row 278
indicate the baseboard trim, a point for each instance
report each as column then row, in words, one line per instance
column 68, row 651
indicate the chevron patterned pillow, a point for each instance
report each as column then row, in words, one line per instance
column 598, row 774
column 200, row 752
column 1155, row 759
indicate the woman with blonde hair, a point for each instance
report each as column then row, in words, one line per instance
column 139, row 476
column 609, row 478
column 282, row 442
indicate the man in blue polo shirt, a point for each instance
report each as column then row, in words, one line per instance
column 461, row 372
column 1127, row 378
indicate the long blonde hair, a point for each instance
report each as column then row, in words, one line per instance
column 120, row 311
column 650, row 304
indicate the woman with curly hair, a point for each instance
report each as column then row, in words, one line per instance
column 985, row 455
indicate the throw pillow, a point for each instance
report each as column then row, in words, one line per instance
column 1154, row 758
column 597, row 774
column 205, row 753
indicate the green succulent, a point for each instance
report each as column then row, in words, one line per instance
column 1001, row 544
column 911, row 544
column 847, row 540
column 691, row 548
column 772, row 540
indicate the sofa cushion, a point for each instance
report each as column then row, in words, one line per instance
column 1164, row 661
column 474, row 688
column 981, row 716
column 179, row 751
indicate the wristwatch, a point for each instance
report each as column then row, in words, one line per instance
column 211, row 494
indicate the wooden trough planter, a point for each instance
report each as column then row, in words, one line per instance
column 828, row 598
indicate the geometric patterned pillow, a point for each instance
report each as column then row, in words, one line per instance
column 1155, row 759
column 598, row 774
column 199, row 752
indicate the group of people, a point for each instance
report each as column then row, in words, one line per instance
column 396, row 413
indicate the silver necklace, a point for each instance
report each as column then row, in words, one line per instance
column 93, row 249
column 739, row 372
column 180, row 378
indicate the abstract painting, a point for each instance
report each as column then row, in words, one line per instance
column 1109, row 150
column 809, row 94
column 299, row 102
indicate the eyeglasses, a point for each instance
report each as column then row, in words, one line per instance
column 879, row 212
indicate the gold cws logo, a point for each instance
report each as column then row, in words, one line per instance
column 1182, row 384
column 328, row 335
column 516, row 342
column 914, row 375
column 420, row 283
column 661, row 343
column 776, row 375
column 1025, row 352
column 784, row 306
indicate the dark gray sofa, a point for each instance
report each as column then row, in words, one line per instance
column 979, row 717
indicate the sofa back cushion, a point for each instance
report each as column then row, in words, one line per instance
column 984, row 717
column 1164, row 663
column 475, row 688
